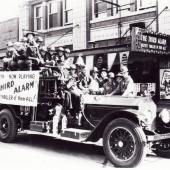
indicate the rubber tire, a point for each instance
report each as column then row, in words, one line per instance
column 12, row 124
column 139, row 137
column 165, row 153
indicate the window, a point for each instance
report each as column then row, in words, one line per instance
column 68, row 12
column 147, row 4
column 133, row 5
column 38, row 17
column 53, row 14
column 128, row 5
column 103, row 9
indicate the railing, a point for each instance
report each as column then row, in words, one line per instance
column 49, row 87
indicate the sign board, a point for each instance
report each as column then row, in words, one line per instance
column 124, row 58
column 19, row 88
column 149, row 42
column 165, row 83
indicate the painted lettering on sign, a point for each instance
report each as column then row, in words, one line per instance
column 19, row 88
column 149, row 42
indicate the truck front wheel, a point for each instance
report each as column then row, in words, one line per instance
column 162, row 149
column 124, row 143
column 8, row 126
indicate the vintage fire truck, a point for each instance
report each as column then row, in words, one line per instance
column 127, row 126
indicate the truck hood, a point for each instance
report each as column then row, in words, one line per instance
column 143, row 107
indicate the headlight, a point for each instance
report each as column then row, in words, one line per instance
column 165, row 116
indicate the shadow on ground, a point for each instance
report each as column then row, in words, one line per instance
column 90, row 152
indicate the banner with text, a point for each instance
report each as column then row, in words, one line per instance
column 19, row 88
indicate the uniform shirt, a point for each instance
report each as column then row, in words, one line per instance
column 102, row 82
column 109, row 87
column 94, row 85
column 127, row 88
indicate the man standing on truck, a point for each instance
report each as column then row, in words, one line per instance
column 127, row 84
column 10, row 60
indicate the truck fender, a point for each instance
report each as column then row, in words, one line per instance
column 97, row 132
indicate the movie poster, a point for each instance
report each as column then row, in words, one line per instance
column 165, row 83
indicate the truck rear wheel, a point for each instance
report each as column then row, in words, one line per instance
column 8, row 126
column 124, row 143
column 162, row 149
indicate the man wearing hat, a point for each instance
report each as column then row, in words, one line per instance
column 31, row 38
column 110, row 85
column 61, row 57
column 103, row 77
column 118, row 85
column 128, row 84
column 94, row 82
column 23, row 61
column 10, row 60
column 32, row 51
column 73, row 93
column 39, row 41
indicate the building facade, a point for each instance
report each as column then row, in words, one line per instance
column 89, row 27
column 9, row 31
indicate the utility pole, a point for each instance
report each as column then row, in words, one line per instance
column 157, row 14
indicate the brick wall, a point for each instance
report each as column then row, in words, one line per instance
column 9, row 31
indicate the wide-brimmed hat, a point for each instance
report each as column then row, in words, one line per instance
column 30, row 32
column 60, row 49
column 95, row 70
column 43, row 48
column 10, row 44
column 111, row 75
column 80, row 62
column 51, row 48
column 119, row 74
column 39, row 39
column 104, row 69
column 72, row 67
column 24, row 39
column 124, row 69
column 67, row 50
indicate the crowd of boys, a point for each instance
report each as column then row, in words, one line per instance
column 30, row 54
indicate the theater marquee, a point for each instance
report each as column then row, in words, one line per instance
column 149, row 42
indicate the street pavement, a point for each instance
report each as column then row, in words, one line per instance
column 33, row 152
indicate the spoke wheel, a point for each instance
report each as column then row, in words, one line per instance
column 8, row 126
column 123, row 143
column 162, row 149
column 4, row 126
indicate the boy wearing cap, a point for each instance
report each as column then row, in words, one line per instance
column 61, row 57
column 118, row 85
column 10, row 60
column 110, row 85
column 103, row 77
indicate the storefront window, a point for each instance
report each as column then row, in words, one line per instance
column 165, row 79
column 38, row 17
column 68, row 12
column 143, row 69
